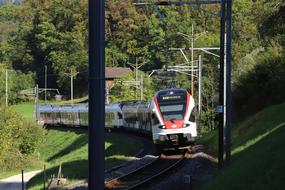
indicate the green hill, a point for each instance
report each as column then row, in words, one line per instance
column 69, row 147
column 258, row 152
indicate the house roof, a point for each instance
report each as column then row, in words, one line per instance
column 116, row 72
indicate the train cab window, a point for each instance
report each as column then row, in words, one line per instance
column 173, row 112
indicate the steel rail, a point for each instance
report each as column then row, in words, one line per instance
column 145, row 174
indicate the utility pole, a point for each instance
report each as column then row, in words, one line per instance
column 136, row 67
column 36, row 94
column 45, row 83
column 221, row 107
column 96, row 96
column 192, row 60
column 141, row 85
column 6, row 73
column 71, row 75
column 136, row 78
column 193, row 38
column 71, row 87
column 228, row 83
column 200, row 92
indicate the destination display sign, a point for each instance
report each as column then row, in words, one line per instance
column 171, row 97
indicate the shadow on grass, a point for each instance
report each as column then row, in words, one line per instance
column 73, row 170
column 78, row 143
column 258, row 165
column 118, row 145
column 256, row 126
column 76, row 130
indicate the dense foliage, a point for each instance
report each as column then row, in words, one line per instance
column 53, row 33
column 19, row 139
column 261, row 74
column 16, row 82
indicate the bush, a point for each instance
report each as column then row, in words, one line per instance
column 261, row 87
column 17, row 82
column 19, row 139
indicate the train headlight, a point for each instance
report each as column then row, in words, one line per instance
column 186, row 125
column 162, row 127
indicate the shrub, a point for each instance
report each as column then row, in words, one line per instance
column 19, row 139
column 260, row 87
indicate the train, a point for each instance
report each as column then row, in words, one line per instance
column 169, row 118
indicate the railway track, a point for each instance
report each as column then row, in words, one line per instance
column 145, row 175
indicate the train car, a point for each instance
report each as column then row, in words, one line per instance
column 169, row 119
column 49, row 115
column 114, row 116
column 63, row 115
column 137, row 116
column 78, row 115
column 173, row 118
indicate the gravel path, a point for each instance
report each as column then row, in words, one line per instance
column 15, row 182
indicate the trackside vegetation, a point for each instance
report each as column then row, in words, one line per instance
column 52, row 146
column 258, row 153
column 68, row 146
column 19, row 141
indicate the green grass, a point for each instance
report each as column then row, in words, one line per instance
column 258, row 160
column 25, row 109
column 69, row 148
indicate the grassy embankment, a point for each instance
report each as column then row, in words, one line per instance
column 258, row 160
column 68, row 147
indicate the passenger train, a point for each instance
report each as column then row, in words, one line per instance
column 169, row 118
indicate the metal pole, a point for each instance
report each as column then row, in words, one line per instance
column 141, row 84
column 192, row 62
column 45, row 83
column 228, row 83
column 6, row 87
column 199, row 96
column 107, row 93
column 136, row 78
column 71, row 86
column 221, row 86
column 225, row 89
column 23, row 185
column 96, row 114
column 37, row 103
column 44, row 177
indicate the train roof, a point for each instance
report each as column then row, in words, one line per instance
column 63, row 108
column 172, row 90
column 113, row 106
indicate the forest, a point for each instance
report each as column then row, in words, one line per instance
column 53, row 34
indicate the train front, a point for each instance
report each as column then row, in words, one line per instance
column 173, row 118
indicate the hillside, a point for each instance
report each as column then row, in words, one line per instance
column 258, row 153
column 68, row 146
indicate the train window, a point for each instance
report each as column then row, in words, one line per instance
column 169, row 108
column 172, row 112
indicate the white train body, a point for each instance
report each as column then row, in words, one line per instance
column 169, row 119
column 173, row 118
